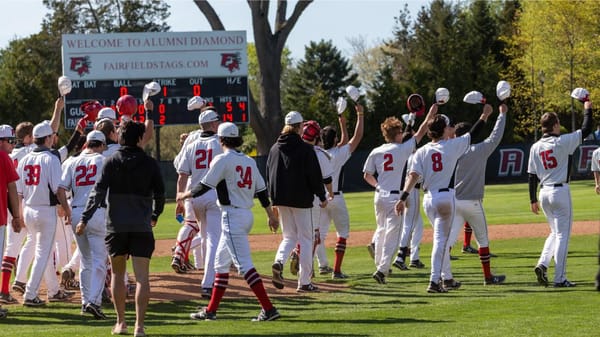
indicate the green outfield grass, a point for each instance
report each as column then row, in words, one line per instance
column 504, row 204
column 401, row 308
column 364, row 308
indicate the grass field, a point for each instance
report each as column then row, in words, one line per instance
column 402, row 307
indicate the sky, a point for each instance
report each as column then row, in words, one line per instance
column 335, row 20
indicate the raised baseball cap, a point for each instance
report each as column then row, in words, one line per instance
column 42, row 129
column 6, row 131
column 196, row 103
column 208, row 116
column 293, row 117
column 95, row 135
column 107, row 113
column 228, row 129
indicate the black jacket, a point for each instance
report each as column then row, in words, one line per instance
column 132, row 181
column 293, row 173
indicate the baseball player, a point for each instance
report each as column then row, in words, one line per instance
column 79, row 177
column 294, row 178
column 469, row 179
column 435, row 162
column 8, row 199
column 549, row 163
column 238, row 180
column 194, row 162
column 388, row 161
column 339, row 151
column 40, row 176
column 14, row 240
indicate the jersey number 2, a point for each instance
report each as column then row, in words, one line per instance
column 548, row 160
column 33, row 175
column 245, row 176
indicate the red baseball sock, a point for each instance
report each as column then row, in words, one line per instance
column 256, row 284
column 220, row 285
column 8, row 263
column 484, row 256
column 468, row 233
column 340, row 250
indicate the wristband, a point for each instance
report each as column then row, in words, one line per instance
column 404, row 195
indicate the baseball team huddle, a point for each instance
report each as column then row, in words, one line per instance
column 88, row 197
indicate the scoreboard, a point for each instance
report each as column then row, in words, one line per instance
column 229, row 95
column 212, row 65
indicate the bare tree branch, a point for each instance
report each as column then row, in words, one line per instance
column 96, row 20
column 210, row 14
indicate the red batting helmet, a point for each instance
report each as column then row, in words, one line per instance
column 311, row 130
column 127, row 105
column 91, row 109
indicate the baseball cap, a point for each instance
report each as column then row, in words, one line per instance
column 95, row 135
column 208, row 116
column 42, row 129
column 195, row 103
column 311, row 130
column 293, row 117
column 106, row 113
column 6, row 131
column 228, row 129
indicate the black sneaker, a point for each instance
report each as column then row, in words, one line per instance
column 540, row 273
column 436, row 288
column 400, row 265
column 204, row 315
column 277, row 269
column 565, row 284
column 469, row 250
column 19, row 287
column 379, row 277
column 451, row 284
column 178, row 266
column 8, row 299
column 60, row 296
column 308, row 288
column 338, row 276
column 95, row 310
column 325, row 270
column 36, row 302
column 417, row 264
column 269, row 315
column 495, row 279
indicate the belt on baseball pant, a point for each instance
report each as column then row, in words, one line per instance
column 391, row 192
column 440, row 190
column 337, row 193
column 101, row 206
column 553, row 185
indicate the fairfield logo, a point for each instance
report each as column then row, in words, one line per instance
column 81, row 65
column 231, row 61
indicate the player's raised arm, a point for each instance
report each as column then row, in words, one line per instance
column 423, row 127
column 148, row 122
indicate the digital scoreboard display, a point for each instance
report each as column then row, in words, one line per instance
column 104, row 67
column 229, row 95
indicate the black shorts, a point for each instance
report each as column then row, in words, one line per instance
column 139, row 244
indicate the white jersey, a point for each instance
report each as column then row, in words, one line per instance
column 111, row 149
column 241, row 175
column 197, row 156
column 339, row 156
column 324, row 162
column 596, row 160
column 388, row 161
column 436, row 162
column 549, row 157
column 40, row 174
column 80, row 175
column 19, row 152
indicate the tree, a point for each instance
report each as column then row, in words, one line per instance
column 560, row 38
column 267, row 119
column 386, row 100
column 318, row 80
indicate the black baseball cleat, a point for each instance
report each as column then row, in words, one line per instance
column 268, row 315
column 565, row 284
column 495, row 279
column 540, row 273
column 379, row 277
column 277, row 269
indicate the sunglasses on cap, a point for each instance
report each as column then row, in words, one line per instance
column 10, row 140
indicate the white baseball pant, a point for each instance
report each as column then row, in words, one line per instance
column 472, row 212
column 296, row 227
column 208, row 215
column 389, row 226
column 15, row 247
column 439, row 207
column 233, row 245
column 412, row 225
column 337, row 211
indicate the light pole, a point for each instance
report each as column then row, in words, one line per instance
column 541, row 78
